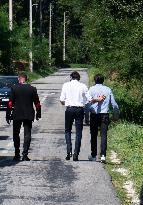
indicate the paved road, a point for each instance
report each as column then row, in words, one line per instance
column 48, row 179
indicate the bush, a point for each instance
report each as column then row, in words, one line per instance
column 127, row 140
column 5, row 54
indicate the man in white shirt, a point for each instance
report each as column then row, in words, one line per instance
column 73, row 96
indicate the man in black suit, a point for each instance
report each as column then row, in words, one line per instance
column 20, row 106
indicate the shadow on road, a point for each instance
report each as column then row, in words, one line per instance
column 4, row 137
column 7, row 161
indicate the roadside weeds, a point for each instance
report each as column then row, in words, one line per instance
column 129, row 195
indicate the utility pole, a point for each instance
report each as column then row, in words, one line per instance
column 64, row 37
column 10, row 29
column 10, row 15
column 30, row 36
column 41, row 17
column 50, row 29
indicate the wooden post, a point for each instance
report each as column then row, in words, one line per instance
column 50, row 29
column 64, row 38
column 30, row 36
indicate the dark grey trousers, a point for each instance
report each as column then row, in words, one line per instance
column 27, row 124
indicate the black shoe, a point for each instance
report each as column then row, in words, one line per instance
column 25, row 158
column 69, row 155
column 16, row 158
column 75, row 157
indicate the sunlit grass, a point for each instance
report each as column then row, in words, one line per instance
column 40, row 73
column 127, row 140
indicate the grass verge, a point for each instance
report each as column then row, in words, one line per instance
column 80, row 66
column 40, row 73
column 127, row 140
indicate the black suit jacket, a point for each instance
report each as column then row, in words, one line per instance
column 22, row 98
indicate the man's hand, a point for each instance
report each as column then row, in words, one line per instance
column 38, row 116
column 100, row 98
column 9, row 116
column 62, row 102
column 8, row 121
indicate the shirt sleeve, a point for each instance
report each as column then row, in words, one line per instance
column 11, row 99
column 37, row 102
column 89, row 91
column 63, row 94
column 87, row 95
column 36, row 99
column 113, row 102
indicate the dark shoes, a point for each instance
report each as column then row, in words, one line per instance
column 25, row 158
column 69, row 155
column 16, row 158
column 75, row 157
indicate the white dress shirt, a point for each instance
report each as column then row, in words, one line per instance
column 75, row 93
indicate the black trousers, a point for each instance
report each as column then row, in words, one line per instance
column 86, row 113
column 71, row 114
column 27, row 124
column 99, row 121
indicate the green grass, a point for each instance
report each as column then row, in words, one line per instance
column 40, row 73
column 127, row 140
column 118, row 181
column 33, row 76
column 80, row 66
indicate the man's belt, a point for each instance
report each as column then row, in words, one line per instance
column 75, row 106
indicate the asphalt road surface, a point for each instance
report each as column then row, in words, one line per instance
column 48, row 179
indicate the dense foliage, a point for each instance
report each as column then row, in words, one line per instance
column 105, row 33
column 111, row 37
column 111, row 34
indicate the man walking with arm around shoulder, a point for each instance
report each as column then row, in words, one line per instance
column 21, row 102
column 73, row 96
column 99, row 116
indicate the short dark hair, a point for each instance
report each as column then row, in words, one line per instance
column 99, row 79
column 23, row 75
column 75, row 75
